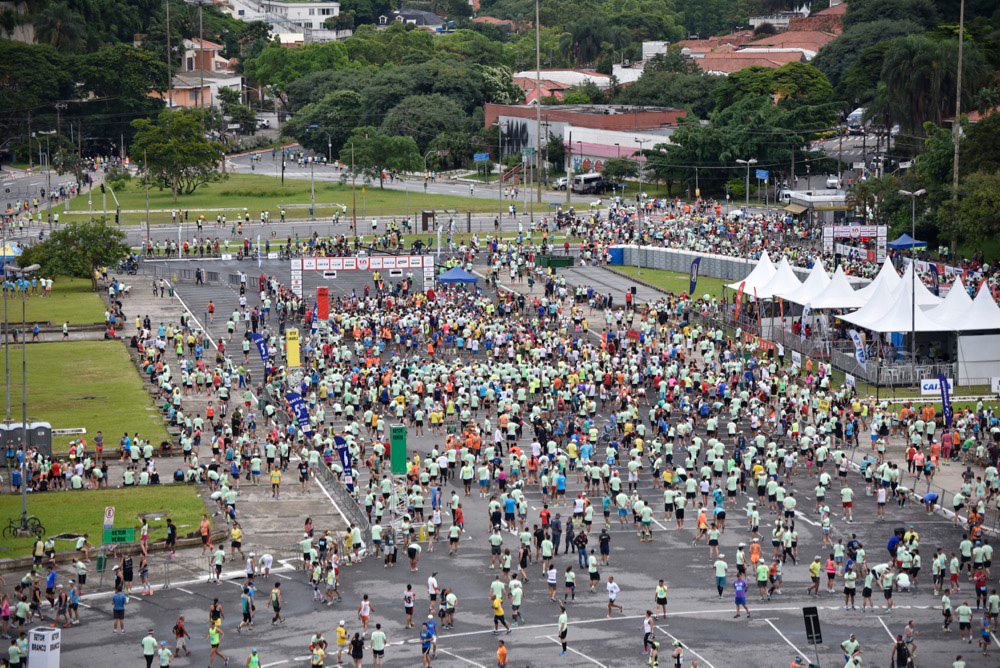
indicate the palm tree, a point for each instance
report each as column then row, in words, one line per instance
column 59, row 26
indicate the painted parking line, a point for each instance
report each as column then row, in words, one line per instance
column 577, row 652
column 461, row 658
column 688, row 647
column 891, row 637
column 785, row 638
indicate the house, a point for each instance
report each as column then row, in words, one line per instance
column 293, row 22
column 555, row 83
column 198, row 88
column 806, row 42
column 204, row 55
column 493, row 21
column 725, row 63
column 417, row 17
column 302, row 14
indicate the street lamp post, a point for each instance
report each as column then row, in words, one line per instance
column 913, row 276
column 751, row 161
column 25, row 433
column 638, row 208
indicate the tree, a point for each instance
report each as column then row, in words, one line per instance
column 423, row 117
column 326, row 124
column 470, row 46
column 836, row 58
column 499, row 86
column 984, row 136
column 619, row 169
column 59, row 26
column 975, row 216
column 788, row 85
column 177, row 153
column 921, row 12
column 663, row 87
column 375, row 153
column 31, row 76
column 78, row 249
column 277, row 67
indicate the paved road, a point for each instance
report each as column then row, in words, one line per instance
column 697, row 615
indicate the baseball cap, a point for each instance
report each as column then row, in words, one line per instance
column 342, row 622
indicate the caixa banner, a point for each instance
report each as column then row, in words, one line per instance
column 930, row 386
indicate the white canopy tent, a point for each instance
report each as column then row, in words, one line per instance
column 784, row 280
column 838, row 294
column 983, row 314
column 876, row 306
column 887, row 274
column 954, row 306
column 902, row 317
column 812, row 287
column 979, row 354
column 924, row 296
column 758, row 276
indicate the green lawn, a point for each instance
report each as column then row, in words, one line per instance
column 675, row 282
column 258, row 192
column 83, row 512
column 71, row 301
column 90, row 384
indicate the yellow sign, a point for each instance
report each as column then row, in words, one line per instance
column 292, row 348
column 824, row 405
column 697, row 192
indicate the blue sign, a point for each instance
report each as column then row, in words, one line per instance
column 945, row 399
column 299, row 410
column 261, row 343
column 345, row 461
column 481, row 157
column 695, row 264
column 762, row 175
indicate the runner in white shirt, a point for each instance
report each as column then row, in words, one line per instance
column 613, row 590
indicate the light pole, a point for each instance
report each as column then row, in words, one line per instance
column 638, row 208
column 751, row 161
column 913, row 276
column 25, row 433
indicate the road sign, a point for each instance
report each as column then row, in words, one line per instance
column 762, row 175
column 859, row 165
column 109, row 517
column 118, row 536
column 813, row 634
column 481, row 157
column 530, row 150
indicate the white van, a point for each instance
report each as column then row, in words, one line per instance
column 588, row 183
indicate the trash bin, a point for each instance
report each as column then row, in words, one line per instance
column 170, row 290
column 102, row 563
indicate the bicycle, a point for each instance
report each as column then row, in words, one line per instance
column 27, row 526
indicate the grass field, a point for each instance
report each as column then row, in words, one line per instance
column 91, row 384
column 71, row 301
column 83, row 512
column 258, row 193
column 675, row 282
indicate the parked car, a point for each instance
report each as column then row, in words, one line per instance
column 560, row 183
column 832, row 182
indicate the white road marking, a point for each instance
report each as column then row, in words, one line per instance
column 335, row 506
column 891, row 637
column 461, row 658
column 274, row 663
column 784, row 637
column 594, row 661
column 805, row 519
column 283, row 577
column 185, row 590
column 706, row 661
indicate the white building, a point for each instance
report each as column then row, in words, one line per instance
column 587, row 149
column 304, row 14
column 291, row 22
column 629, row 72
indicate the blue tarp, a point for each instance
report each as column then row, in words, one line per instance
column 906, row 241
column 457, row 275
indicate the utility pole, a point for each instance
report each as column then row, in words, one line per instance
column 312, row 187
column 840, row 155
column 538, row 105
column 170, row 95
column 956, row 127
column 145, row 171
column 201, row 59
column 751, row 161
column 640, row 142
column 48, row 182
column 354, row 199
column 569, row 166
column 500, row 183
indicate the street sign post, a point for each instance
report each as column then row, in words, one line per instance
column 813, row 633
column 762, row 174
column 481, row 157
column 109, row 517
column 119, row 536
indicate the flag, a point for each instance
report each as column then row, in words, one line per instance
column 345, row 461
column 945, row 399
column 299, row 410
column 261, row 343
column 258, row 251
column 859, row 348
column 739, row 299
column 936, row 278
column 805, row 314
column 757, row 302
column 695, row 265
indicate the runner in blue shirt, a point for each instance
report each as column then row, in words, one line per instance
column 740, row 585
column 118, row 611
column 425, row 645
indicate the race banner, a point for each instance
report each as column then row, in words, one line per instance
column 859, row 348
column 261, row 343
column 805, row 314
column 299, row 410
column 739, row 299
column 695, row 266
column 945, row 399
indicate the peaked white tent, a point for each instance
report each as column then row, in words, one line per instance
column 954, row 307
column 812, row 287
column 876, row 306
column 887, row 274
column 983, row 314
column 902, row 317
column 784, row 280
column 924, row 296
column 758, row 276
column 838, row 294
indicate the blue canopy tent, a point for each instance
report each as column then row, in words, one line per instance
column 9, row 253
column 906, row 241
column 457, row 275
